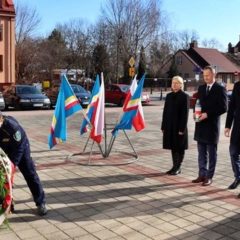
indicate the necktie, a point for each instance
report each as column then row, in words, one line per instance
column 208, row 90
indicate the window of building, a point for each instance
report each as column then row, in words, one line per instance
column 179, row 60
column 224, row 78
column 1, row 32
column 186, row 75
column 1, row 63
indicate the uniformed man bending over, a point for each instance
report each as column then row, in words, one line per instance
column 14, row 142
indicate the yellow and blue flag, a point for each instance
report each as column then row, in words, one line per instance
column 67, row 104
column 130, row 109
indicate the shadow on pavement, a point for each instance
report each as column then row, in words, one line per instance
column 110, row 203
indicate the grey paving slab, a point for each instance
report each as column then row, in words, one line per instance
column 135, row 201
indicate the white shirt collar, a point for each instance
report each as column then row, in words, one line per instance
column 210, row 85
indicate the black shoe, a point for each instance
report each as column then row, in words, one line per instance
column 234, row 184
column 198, row 180
column 170, row 171
column 207, row 182
column 12, row 208
column 175, row 172
column 42, row 210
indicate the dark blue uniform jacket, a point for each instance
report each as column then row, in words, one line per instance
column 13, row 139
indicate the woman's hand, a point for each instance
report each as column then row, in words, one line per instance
column 227, row 132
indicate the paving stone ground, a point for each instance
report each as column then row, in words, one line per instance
column 116, row 202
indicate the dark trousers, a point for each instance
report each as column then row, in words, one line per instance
column 177, row 158
column 235, row 159
column 28, row 170
column 207, row 159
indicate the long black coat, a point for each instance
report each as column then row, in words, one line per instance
column 174, row 120
column 233, row 115
column 214, row 104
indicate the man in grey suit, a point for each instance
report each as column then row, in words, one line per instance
column 213, row 101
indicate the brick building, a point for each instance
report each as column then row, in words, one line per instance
column 7, row 42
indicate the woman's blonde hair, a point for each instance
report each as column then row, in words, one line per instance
column 179, row 80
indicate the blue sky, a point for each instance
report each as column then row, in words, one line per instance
column 217, row 19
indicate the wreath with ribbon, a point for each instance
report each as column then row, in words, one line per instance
column 6, row 180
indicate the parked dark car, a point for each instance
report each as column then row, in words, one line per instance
column 2, row 102
column 116, row 94
column 25, row 96
column 82, row 94
column 52, row 94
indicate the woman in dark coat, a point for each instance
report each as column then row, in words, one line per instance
column 174, row 124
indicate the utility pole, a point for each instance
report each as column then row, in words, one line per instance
column 119, row 37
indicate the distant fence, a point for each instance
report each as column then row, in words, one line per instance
column 164, row 84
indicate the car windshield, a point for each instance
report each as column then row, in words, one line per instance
column 28, row 90
column 124, row 88
column 78, row 89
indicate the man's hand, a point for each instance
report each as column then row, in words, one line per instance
column 227, row 132
column 203, row 116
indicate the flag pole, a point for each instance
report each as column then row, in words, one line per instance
column 130, row 143
column 89, row 157
column 118, row 119
column 86, row 144
column 100, row 147
column 110, row 145
column 91, row 126
column 105, row 124
column 120, row 114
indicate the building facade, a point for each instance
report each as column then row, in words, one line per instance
column 7, row 42
column 190, row 63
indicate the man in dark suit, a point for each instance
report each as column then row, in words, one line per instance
column 213, row 101
column 233, row 117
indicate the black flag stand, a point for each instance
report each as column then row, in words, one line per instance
column 105, row 151
column 113, row 140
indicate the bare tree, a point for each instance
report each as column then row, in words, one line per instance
column 78, row 42
column 27, row 21
column 184, row 38
column 159, row 53
column 101, row 33
column 100, row 60
column 132, row 24
column 212, row 43
column 27, row 64
column 53, row 52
